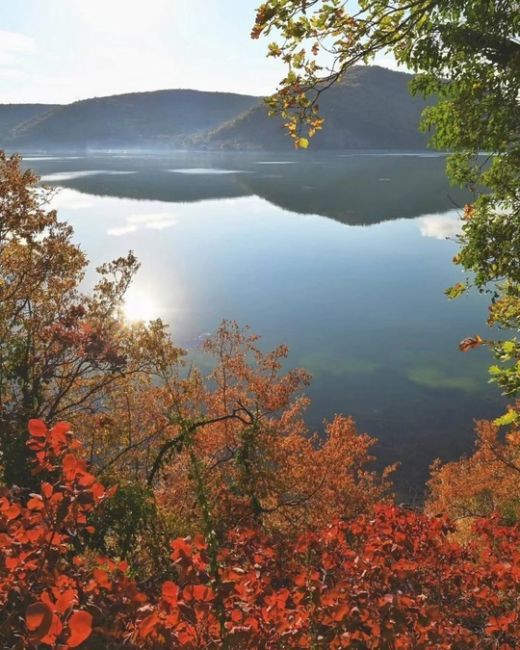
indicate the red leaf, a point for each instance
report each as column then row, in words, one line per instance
column 80, row 626
column 12, row 512
column 38, row 429
column 181, row 548
column 170, row 592
column 47, row 490
column 147, row 625
column 65, row 600
column 38, row 618
column 70, row 465
column 340, row 613
column 101, row 577
column 61, row 428
column 200, row 592
column 35, row 504
column 11, row 563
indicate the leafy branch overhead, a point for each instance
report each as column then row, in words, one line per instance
column 466, row 54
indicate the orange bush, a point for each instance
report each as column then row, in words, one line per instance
column 484, row 482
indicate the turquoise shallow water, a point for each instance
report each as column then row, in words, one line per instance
column 344, row 257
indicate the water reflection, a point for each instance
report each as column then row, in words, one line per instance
column 70, row 176
column 356, row 189
column 363, row 308
column 440, row 226
column 67, row 199
column 205, row 170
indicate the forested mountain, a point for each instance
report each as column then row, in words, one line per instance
column 370, row 109
column 13, row 116
column 150, row 119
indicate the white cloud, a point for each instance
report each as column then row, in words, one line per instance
column 10, row 73
column 123, row 17
column 387, row 60
column 15, row 42
column 14, row 45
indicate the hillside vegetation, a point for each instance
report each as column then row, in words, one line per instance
column 151, row 119
column 370, row 109
column 13, row 116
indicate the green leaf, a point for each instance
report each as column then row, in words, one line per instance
column 508, row 418
column 456, row 290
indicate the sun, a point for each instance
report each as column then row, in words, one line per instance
column 138, row 307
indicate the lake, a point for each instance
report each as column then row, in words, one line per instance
column 342, row 256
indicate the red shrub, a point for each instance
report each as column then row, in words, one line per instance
column 390, row 580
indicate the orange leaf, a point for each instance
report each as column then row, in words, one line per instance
column 471, row 342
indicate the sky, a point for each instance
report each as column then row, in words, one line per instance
column 59, row 51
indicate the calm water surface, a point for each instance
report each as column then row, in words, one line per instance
column 344, row 257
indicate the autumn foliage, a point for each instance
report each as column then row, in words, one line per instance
column 390, row 579
column 61, row 348
column 486, row 482
column 179, row 509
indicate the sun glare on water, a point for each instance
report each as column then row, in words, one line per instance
column 138, row 307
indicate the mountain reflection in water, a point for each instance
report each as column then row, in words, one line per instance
column 343, row 257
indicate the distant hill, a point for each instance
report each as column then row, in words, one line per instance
column 371, row 108
column 13, row 116
column 150, row 119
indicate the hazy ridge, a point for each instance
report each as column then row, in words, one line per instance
column 370, row 109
